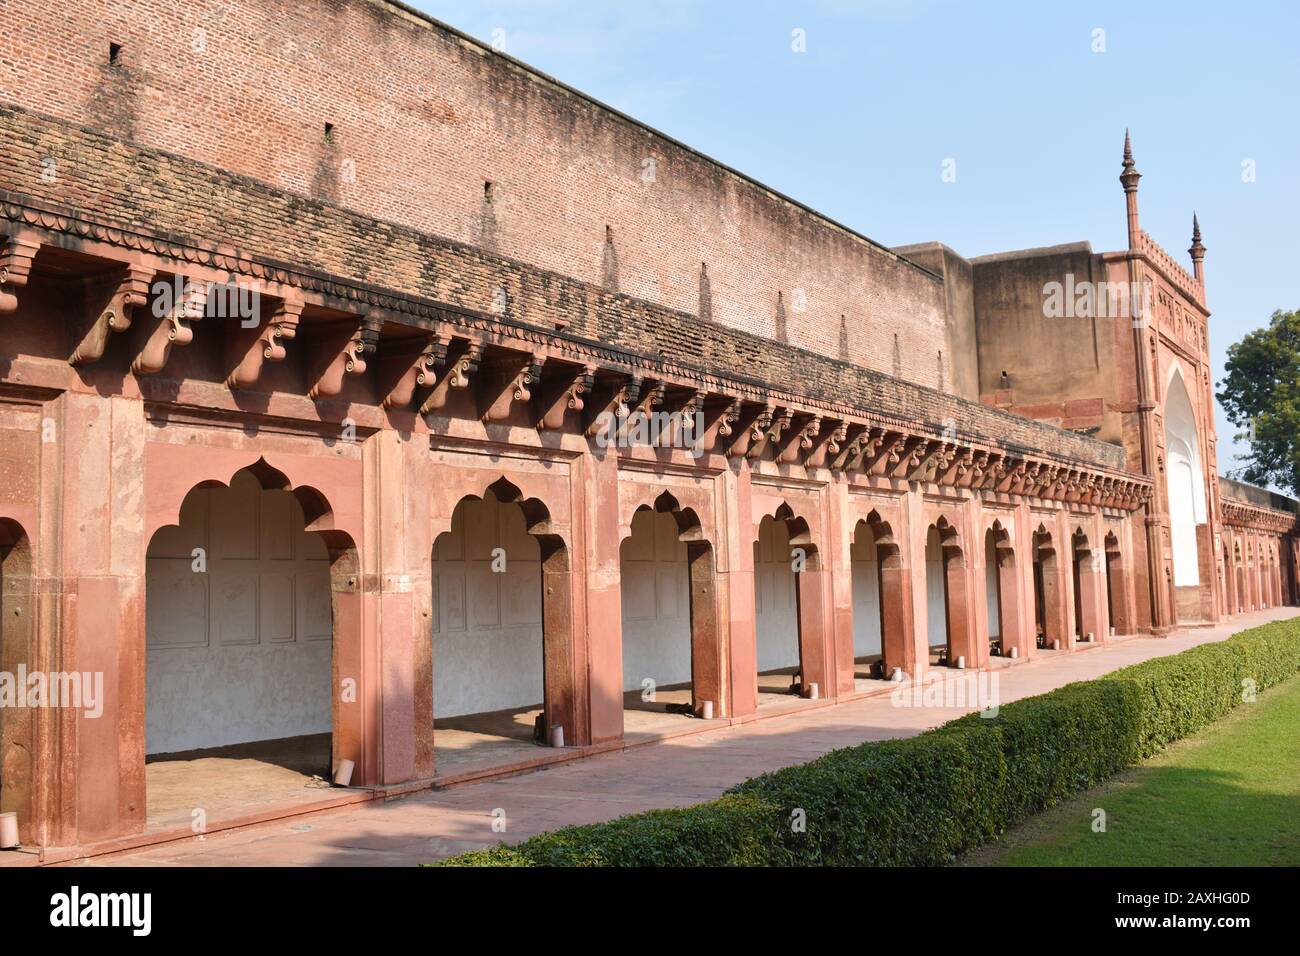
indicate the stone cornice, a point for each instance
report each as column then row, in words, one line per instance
column 933, row 456
column 1241, row 514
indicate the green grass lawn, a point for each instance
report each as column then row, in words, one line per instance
column 1229, row 796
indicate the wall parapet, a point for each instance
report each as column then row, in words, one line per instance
column 358, row 261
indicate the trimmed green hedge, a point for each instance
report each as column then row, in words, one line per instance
column 923, row 800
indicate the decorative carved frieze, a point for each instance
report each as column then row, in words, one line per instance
column 1240, row 514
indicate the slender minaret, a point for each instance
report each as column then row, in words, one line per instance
column 1197, row 252
column 1159, row 571
column 1129, row 177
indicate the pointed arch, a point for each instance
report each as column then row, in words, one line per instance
column 881, row 601
column 1007, row 636
column 951, row 628
column 502, row 591
column 1051, row 613
column 254, row 582
column 789, row 606
column 671, row 622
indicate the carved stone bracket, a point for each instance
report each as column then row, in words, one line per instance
column 16, row 257
column 828, row 448
column 609, row 393
column 345, row 361
column 250, row 348
column 730, row 416
column 410, row 365
column 509, row 384
column 463, row 357
column 751, row 439
column 565, row 397
column 801, row 443
column 131, row 292
column 172, row 328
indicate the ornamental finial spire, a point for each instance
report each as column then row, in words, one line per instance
column 1197, row 251
column 1130, row 176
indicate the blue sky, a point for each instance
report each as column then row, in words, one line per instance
column 859, row 125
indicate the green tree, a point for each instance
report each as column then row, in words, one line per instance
column 1261, row 394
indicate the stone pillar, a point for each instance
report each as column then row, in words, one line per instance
column 1092, row 596
column 976, row 585
column 837, row 549
column 911, row 542
column 604, row 593
column 736, row 517
column 816, row 642
column 708, row 660
column 356, row 701
column 93, row 519
column 963, row 626
column 1011, row 608
column 397, row 513
column 562, row 630
column 897, row 620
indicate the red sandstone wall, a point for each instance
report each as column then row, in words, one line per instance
column 423, row 118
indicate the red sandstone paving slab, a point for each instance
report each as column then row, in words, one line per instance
column 678, row 772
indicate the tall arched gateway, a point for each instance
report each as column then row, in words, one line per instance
column 1187, row 497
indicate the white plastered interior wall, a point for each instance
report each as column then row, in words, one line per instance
column 656, row 604
column 238, row 637
column 487, row 595
column 936, row 602
column 866, row 592
column 991, row 585
column 776, row 608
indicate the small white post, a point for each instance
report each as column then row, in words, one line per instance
column 557, row 735
column 343, row 775
column 706, row 710
column 813, row 691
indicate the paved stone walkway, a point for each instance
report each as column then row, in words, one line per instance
column 430, row 825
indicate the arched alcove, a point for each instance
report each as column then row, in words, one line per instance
column 501, row 643
column 672, row 659
column 880, row 613
column 241, row 653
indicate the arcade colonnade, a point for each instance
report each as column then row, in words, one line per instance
column 1259, row 555
column 85, row 554
column 367, row 516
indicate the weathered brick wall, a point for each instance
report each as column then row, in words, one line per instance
column 422, row 118
column 160, row 194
